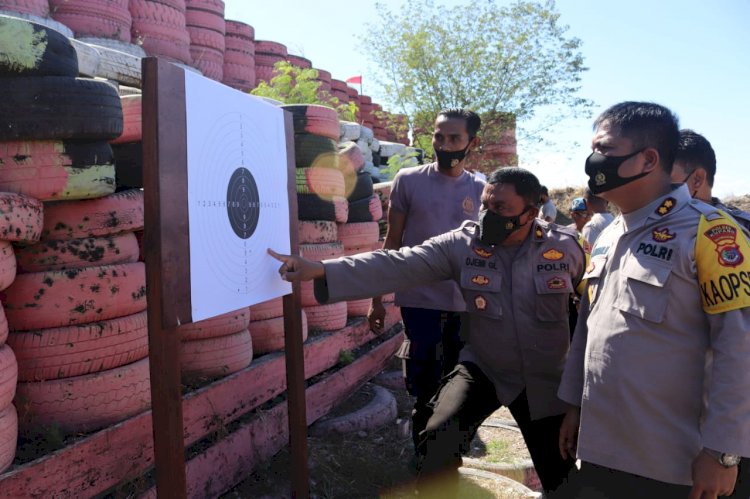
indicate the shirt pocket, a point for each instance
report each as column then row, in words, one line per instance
column 644, row 292
column 552, row 296
column 481, row 292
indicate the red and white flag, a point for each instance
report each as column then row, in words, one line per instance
column 354, row 79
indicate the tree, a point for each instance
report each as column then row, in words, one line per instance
column 294, row 85
column 497, row 60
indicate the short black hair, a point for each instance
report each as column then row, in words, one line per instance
column 526, row 184
column 543, row 190
column 472, row 119
column 695, row 151
column 648, row 125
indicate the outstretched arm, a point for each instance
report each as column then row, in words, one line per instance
column 295, row 268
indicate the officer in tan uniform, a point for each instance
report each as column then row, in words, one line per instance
column 657, row 375
column 515, row 273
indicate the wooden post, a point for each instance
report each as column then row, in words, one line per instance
column 295, row 359
column 166, row 246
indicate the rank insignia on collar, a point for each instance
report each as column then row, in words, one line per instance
column 538, row 233
column 663, row 235
column 481, row 303
column 480, row 280
column 724, row 237
column 553, row 254
column 666, row 206
column 556, row 283
column 484, row 253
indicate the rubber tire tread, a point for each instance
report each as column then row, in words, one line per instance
column 313, row 150
column 21, row 218
column 216, row 356
column 53, row 54
column 311, row 207
column 355, row 234
column 8, row 265
column 330, row 317
column 325, row 182
column 267, row 310
column 84, row 403
column 8, row 375
column 362, row 188
column 59, row 107
column 64, row 352
column 221, row 325
column 317, row 231
column 365, row 210
column 51, row 254
column 268, row 334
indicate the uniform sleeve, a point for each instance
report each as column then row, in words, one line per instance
column 571, row 386
column 726, row 427
column 399, row 199
column 384, row 271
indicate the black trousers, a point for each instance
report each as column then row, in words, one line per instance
column 465, row 399
column 429, row 353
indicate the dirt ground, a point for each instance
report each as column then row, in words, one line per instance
column 376, row 463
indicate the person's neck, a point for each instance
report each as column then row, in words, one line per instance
column 452, row 172
column 518, row 237
column 704, row 195
column 641, row 195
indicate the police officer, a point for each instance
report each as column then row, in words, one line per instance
column 668, row 294
column 695, row 165
column 515, row 273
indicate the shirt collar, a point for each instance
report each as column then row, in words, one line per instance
column 659, row 208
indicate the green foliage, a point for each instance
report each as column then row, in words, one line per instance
column 398, row 161
column 514, row 59
column 346, row 357
column 295, row 85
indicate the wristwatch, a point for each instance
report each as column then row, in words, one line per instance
column 726, row 460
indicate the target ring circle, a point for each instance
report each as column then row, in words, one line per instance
column 243, row 203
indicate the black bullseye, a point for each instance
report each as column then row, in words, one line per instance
column 243, row 203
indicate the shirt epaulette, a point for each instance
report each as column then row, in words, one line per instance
column 564, row 230
column 705, row 209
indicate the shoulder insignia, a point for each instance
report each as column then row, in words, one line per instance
column 666, row 206
column 723, row 271
column 539, row 233
column 556, row 283
column 662, row 235
column 480, row 302
column 553, row 254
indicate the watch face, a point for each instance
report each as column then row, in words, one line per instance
column 729, row 460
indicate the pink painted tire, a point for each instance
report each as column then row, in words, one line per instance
column 237, row 76
column 320, row 252
column 351, row 159
column 263, row 73
column 50, row 170
column 8, row 375
column 8, row 436
column 221, row 325
column 76, row 296
column 8, row 265
column 358, row 308
column 315, row 119
column 267, row 60
column 299, row 61
column 218, row 356
column 267, row 310
column 178, row 5
column 210, row 62
column 164, row 12
column 34, row 7
column 148, row 28
column 268, row 335
column 267, row 47
column 64, row 352
column 317, row 231
column 357, row 250
column 197, row 18
column 307, row 294
column 84, row 403
column 365, row 210
column 20, row 218
column 206, row 37
column 110, row 19
column 326, row 183
column 132, row 127
column 51, row 255
column 330, row 317
column 119, row 212
column 215, row 7
column 359, row 234
column 236, row 56
column 3, row 327
column 171, row 49
column 239, row 29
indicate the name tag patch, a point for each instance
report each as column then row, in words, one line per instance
column 656, row 250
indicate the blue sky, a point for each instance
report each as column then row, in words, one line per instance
column 691, row 56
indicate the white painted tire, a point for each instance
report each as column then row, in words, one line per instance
column 44, row 21
column 349, row 131
column 128, row 48
column 388, row 149
column 119, row 66
column 88, row 58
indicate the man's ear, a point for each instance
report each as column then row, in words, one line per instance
column 698, row 179
column 651, row 155
column 475, row 142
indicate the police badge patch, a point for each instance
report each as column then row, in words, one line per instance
column 553, row 254
column 480, row 280
column 724, row 236
column 481, row 303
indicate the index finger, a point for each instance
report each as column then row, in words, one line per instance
column 278, row 256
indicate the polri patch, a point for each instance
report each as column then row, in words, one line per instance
column 666, row 206
column 724, row 236
column 480, row 302
column 480, row 280
column 553, row 254
column 663, row 235
column 655, row 250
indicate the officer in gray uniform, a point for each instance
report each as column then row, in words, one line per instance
column 515, row 273
column 657, row 375
column 695, row 165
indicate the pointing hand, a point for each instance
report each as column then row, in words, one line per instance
column 295, row 268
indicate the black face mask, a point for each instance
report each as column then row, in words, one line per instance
column 450, row 159
column 494, row 228
column 602, row 171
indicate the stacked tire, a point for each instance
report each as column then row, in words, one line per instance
column 161, row 28
column 267, row 326
column 239, row 56
column 128, row 147
column 266, row 55
column 207, row 29
column 324, row 78
column 110, row 19
column 339, row 91
column 38, row 8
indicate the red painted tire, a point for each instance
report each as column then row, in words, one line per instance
column 239, row 57
column 240, row 30
column 8, row 265
column 315, row 119
column 358, row 308
column 196, row 18
column 64, row 352
column 359, row 234
column 50, row 255
column 320, row 252
column 239, row 46
column 239, row 76
column 170, row 49
column 76, row 296
column 268, row 47
column 267, row 310
column 221, row 325
column 329, row 317
column 84, row 403
column 8, row 436
column 317, row 231
column 3, row 327
column 34, row 7
column 208, row 61
column 219, row 356
column 132, row 125
column 299, row 61
column 351, row 159
column 20, row 218
column 119, row 212
column 214, row 6
column 325, row 182
column 109, row 19
column 307, row 294
column 263, row 73
column 268, row 335
column 8, row 375
column 54, row 170
column 206, row 37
